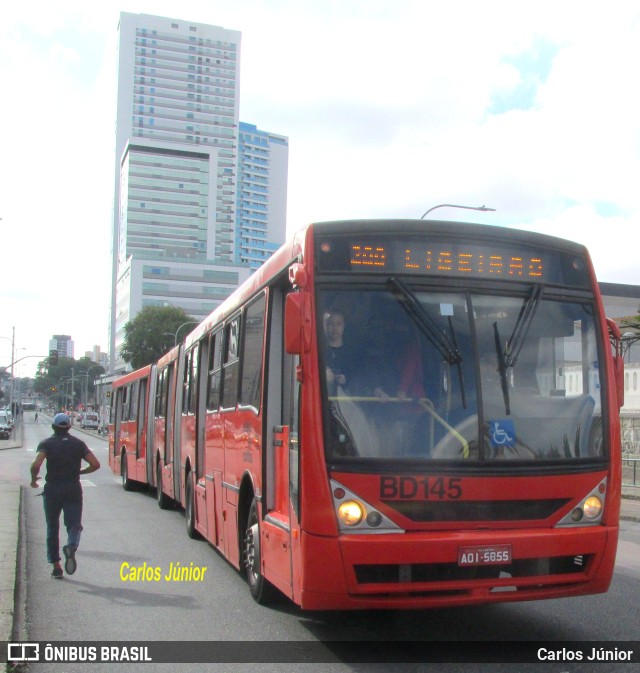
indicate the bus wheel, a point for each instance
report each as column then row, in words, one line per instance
column 262, row 590
column 161, row 496
column 127, row 483
column 189, row 509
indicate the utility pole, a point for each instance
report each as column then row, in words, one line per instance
column 13, row 357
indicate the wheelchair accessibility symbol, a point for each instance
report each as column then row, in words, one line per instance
column 502, row 433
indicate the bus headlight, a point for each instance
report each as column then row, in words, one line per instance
column 592, row 507
column 356, row 516
column 589, row 511
column 351, row 513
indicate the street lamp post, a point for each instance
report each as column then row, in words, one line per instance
column 86, row 382
column 62, row 397
column 14, row 361
column 484, row 209
column 84, row 388
column 175, row 336
column 13, row 358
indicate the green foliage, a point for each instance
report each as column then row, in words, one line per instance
column 152, row 333
column 69, row 371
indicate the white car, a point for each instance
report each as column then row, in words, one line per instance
column 90, row 421
column 6, row 425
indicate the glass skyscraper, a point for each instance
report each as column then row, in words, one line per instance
column 175, row 236
column 262, row 194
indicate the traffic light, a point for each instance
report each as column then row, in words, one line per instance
column 53, row 357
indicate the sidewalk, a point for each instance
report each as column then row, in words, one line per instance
column 630, row 507
column 9, row 540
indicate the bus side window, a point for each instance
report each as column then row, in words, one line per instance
column 231, row 364
column 186, row 382
column 252, row 355
column 159, row 393
column 193, row 383
column 215, row 371
column 133, row 401
column 125, row 403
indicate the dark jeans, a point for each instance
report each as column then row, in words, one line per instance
column 62, row 497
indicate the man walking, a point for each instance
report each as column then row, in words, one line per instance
column 64, row 454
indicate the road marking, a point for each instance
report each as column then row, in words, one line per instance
column 87, row 482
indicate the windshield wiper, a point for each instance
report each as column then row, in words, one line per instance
column 523, row 323
column 439, row 340
column 447, row 347
column 502, row 369
column 508, row 356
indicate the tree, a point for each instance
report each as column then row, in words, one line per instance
column 630, row 328
column 152, row 333
column 55, row 381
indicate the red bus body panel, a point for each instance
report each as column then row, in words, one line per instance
column 302, row 550
column 131, row 440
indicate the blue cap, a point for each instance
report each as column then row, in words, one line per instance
column 61, row 421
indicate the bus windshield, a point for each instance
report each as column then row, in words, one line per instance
column 426, row 374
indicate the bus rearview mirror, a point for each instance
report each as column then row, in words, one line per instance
column 297, row 323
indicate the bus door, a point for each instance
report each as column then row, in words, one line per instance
column 232, row 430
column 197, row 406
column 213, row 441
column 149, row 422
column 280, row 524
column 141, row 431
column 176, row 430
column 169, row 422
column 116, row 415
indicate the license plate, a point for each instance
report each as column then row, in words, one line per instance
column 482, row 555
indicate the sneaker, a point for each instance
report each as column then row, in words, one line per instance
column 70, row 564
column 56, row 573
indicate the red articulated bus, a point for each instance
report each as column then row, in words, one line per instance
column 394, row 414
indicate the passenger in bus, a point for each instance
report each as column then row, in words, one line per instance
column 348, row 430
column 339, row 360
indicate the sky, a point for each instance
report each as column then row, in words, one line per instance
column 391, row 107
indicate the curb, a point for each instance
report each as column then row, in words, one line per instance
column 10, row 515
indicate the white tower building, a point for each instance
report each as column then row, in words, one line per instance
column 175, row 174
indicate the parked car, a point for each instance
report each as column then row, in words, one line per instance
column 90, row 421
column 6, row 425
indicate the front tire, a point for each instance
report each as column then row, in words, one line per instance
column 127, row 483
column 189, row 509
column 262, row 591
column 161, row 496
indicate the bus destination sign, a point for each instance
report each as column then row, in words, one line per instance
column 437, row 257
column 463, row 261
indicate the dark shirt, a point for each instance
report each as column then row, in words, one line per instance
column 339, row 360
column 64, row 457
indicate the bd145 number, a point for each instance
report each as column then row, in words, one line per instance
column 411, row 488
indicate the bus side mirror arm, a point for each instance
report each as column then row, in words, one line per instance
column 297, row 323
column 618, row 359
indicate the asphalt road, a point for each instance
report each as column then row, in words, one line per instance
column 103, row 601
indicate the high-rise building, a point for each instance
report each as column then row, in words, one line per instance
column 262, row 194
column 97, row 356
column 63, row 344
column 174, row 231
